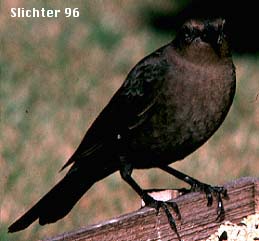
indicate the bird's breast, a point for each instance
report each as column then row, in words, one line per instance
column 190, row 108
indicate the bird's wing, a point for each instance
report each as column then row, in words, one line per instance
column 141, row 89
column 129, row 107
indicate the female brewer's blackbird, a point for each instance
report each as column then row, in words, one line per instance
column 171, row 102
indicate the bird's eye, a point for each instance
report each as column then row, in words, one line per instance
column 188, row 35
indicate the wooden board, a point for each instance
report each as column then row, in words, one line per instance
column 198, row 221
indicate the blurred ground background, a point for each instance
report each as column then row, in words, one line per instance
column 56, row 76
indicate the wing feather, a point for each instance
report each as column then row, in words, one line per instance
column 129, row 108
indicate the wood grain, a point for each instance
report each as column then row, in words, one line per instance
column 197, row 223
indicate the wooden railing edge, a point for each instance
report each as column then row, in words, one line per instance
column 198, row 220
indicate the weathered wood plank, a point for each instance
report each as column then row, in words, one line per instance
column 197, row 223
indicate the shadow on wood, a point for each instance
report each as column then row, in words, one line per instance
column 198, row 221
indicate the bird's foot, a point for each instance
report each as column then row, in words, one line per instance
column 217, row 191
column 157, row 204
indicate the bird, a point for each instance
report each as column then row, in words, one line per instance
column 170, row 104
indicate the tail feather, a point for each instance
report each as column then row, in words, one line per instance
column 61, row 198
column 23, row 222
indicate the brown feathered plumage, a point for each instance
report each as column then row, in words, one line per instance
column 171, row 102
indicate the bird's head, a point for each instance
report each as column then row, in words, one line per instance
column 199, row 37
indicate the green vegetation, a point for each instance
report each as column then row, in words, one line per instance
column 56, row 76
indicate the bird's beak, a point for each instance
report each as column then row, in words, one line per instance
column 221, row 33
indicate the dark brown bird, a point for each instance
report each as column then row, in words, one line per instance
column 171, row 102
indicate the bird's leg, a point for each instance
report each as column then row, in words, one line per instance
column 217, row 191
column 125, row 171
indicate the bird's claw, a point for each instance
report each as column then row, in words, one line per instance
column 210, row 191
column 157, row 204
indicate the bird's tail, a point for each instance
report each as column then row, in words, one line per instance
column 61, row 198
